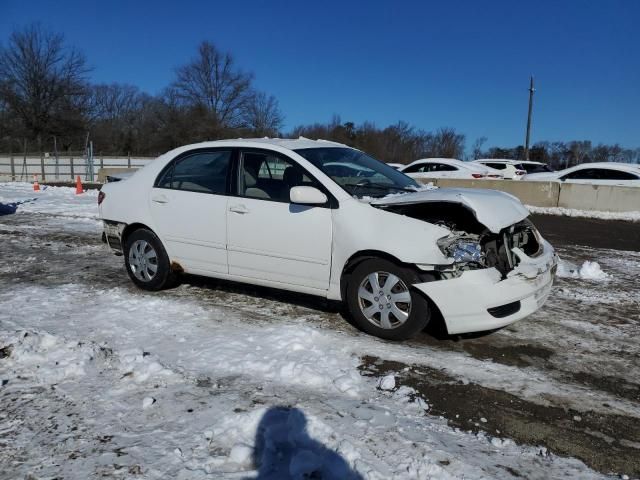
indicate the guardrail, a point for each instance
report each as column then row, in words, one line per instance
column 605, row 198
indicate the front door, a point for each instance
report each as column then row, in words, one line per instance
column 269, row 238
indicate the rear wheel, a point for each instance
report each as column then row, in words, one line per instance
column 382, row 303
column 147, row 261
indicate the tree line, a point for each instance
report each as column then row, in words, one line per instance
column 47, row 99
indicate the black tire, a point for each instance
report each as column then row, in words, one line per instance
column 163, row 277
column 419, row 312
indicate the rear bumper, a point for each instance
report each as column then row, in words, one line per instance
column 480, row 300
column 112, row 234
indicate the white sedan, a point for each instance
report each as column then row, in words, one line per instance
column 449, row 168
column 513, row 169
column 602, row 173
column 297, row 215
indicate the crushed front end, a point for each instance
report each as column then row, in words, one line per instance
column 494, row 278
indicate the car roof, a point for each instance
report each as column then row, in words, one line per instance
column 627, row 167
column 437, row 159
column 454, row 162
column 447, row 161
column 509, row 161
column 288, row 143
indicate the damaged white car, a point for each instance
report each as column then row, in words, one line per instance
column 277, row 213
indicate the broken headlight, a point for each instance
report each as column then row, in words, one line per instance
column 462, row 250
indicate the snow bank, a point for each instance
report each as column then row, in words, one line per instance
column 58, row 201
column 588, row 271
column 571, row 212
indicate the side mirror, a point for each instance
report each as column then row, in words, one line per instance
column 307, row 196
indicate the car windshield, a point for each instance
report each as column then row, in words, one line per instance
column 358, row 173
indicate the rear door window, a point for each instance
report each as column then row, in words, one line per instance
column 203, row 172
column 497, row 166
column 535, row 168
column 443, row 167
column 415, row 168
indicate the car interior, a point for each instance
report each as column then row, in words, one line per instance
column 270, row 177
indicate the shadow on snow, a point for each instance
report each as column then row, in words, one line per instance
column 284, row 450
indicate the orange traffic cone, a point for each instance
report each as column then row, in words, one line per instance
column 36, row 185
column 79, row 189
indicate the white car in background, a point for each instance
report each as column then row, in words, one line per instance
column 534, row 167
column 298, row 215
column 602, row 173
column 397, row 166
column 449, row 168
column 509, row 169
column 514, row 169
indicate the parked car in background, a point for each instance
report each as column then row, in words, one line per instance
column 397, row 166
column 297, row 215
column 514, row 169
column 603, row 173
column 448, row 168
column 510, row 169
column 535, row 167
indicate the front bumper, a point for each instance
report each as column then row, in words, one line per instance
column 466, row 302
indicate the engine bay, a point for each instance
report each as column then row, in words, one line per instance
column 471, row 244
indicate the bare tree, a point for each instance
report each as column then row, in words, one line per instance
column 447, row 143
column 43, row 82
column 114, row 114
column 263, row 116
column 212, row 81
column 476, row 150
column 578, row 151
column 114, row 101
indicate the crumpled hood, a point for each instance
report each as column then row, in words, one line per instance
column 495, row 210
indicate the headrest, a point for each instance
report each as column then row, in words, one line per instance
column 292, row 176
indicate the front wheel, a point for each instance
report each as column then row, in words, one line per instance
column 382, row 303
column 147, row 261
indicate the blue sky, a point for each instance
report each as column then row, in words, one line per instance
column 463, row 64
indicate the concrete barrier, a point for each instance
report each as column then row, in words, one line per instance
column 103, row 173
column 606, row 198
column 602, row 198
column 539, row 194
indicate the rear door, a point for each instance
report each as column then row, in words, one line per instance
column 189, row 204
column 269, row 238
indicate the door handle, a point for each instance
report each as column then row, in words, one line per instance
column 160, row 199
column 238, row 209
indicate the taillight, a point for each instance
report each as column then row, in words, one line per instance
column 101, row 196
column 478, row 175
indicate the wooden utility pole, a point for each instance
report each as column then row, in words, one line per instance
column 526, row 142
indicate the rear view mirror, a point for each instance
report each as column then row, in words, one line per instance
column 307, row 196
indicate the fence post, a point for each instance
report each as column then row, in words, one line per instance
column 101, row 161
column 13, row 169
column 71, row 163
column 42, row 166
column 128, row 159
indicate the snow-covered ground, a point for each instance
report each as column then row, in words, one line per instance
column 211, row 380
column 572, row 212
